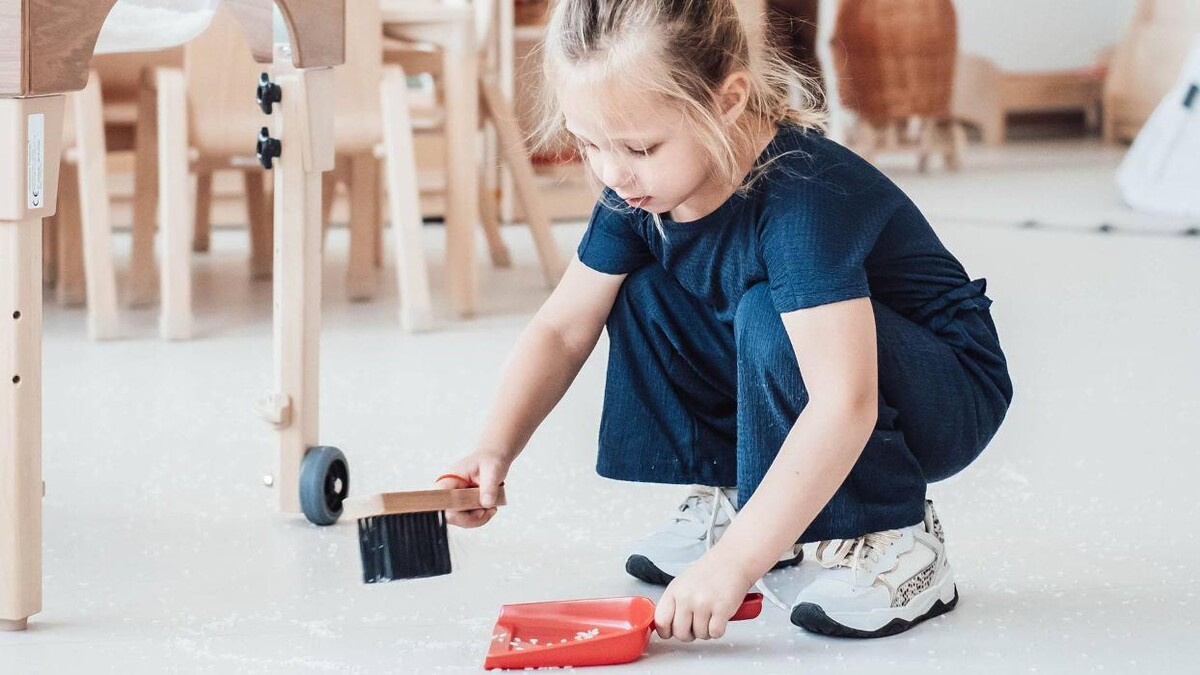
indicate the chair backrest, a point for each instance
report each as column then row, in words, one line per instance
column 358, row 115
column 122, row 73
column 221, row 74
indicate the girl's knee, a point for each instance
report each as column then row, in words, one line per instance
column 757, row 327
column 642, row 285
column 762, row 343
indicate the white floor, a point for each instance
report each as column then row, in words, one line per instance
column 1074, row 536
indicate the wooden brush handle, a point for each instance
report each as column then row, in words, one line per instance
column 418, row 501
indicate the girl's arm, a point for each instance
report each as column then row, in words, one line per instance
column 836, row 350
column 545, row 360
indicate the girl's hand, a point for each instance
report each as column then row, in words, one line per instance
column 487, row 470
column 699, row 602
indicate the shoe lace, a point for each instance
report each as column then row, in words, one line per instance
column 854, row 553
column 716, row 500
column 701, row 506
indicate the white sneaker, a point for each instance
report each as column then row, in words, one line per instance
column 879, row 584
column 700, row 522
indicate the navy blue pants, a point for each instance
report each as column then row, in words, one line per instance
column 692, row 399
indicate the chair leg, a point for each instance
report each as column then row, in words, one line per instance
column 362, row 278
column 202, row 223
column 502, row 116
column 71, row 286
column 261, row 223
column 174, row 207
column 489, row 216
column 99, row 275
column 404, row 204
column 143, row 276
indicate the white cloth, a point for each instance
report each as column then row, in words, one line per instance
column 1161, row 172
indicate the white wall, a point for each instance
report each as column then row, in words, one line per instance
column 1029, row 35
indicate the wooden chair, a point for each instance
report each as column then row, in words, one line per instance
column 130, row 124
column 206, row 116
column 497, row 111
column 77, row 241
column 372, row 123
column 100, row 120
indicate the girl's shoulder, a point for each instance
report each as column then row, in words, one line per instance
column 807, row 154
column 804, row 167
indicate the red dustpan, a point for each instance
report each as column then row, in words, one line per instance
column 580, row 632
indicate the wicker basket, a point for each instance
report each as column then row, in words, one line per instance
column 532, row 12
column 897, row 57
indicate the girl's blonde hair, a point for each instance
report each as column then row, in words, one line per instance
column 695, row 44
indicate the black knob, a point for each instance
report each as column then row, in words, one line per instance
column 267, row 148
column 269, row 93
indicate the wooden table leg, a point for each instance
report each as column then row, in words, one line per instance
column 20, row 421
column 30, row 148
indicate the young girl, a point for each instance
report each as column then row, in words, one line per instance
column 784, row 327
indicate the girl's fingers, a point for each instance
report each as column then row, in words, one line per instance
column 716, row 627
column 664, row 614
column 700, row 622
column 470, row 519
column 681, row 626
column 490, row 477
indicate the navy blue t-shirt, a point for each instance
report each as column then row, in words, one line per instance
column 821, row 225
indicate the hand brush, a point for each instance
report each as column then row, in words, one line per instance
column 402, row 535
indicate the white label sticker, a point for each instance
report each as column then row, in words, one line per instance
column 36, row 164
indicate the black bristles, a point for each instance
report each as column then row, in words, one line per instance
column 404, row 546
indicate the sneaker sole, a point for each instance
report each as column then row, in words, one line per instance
column 813, row 619
column 640, row 567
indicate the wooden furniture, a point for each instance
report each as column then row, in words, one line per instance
column 45, row 46
column 130, row 110
column 78, row 239
column 44, row 50
column 372, row 122
column 500, row 112
column 210, row 91
column 204, row 121
column 1146, row 63
column 457, row 28
column 563, row 178
column 452, row 28
column 985, row 95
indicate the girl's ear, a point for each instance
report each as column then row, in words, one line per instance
column 733, row 96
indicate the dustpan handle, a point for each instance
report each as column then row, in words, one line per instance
column 750, row 609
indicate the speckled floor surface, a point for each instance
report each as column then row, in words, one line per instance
column 1074, row 536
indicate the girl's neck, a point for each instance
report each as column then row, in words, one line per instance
column 716, row 191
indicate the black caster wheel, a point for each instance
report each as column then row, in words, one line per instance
column 324, row 484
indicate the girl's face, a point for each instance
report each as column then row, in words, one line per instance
column 641, row 147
